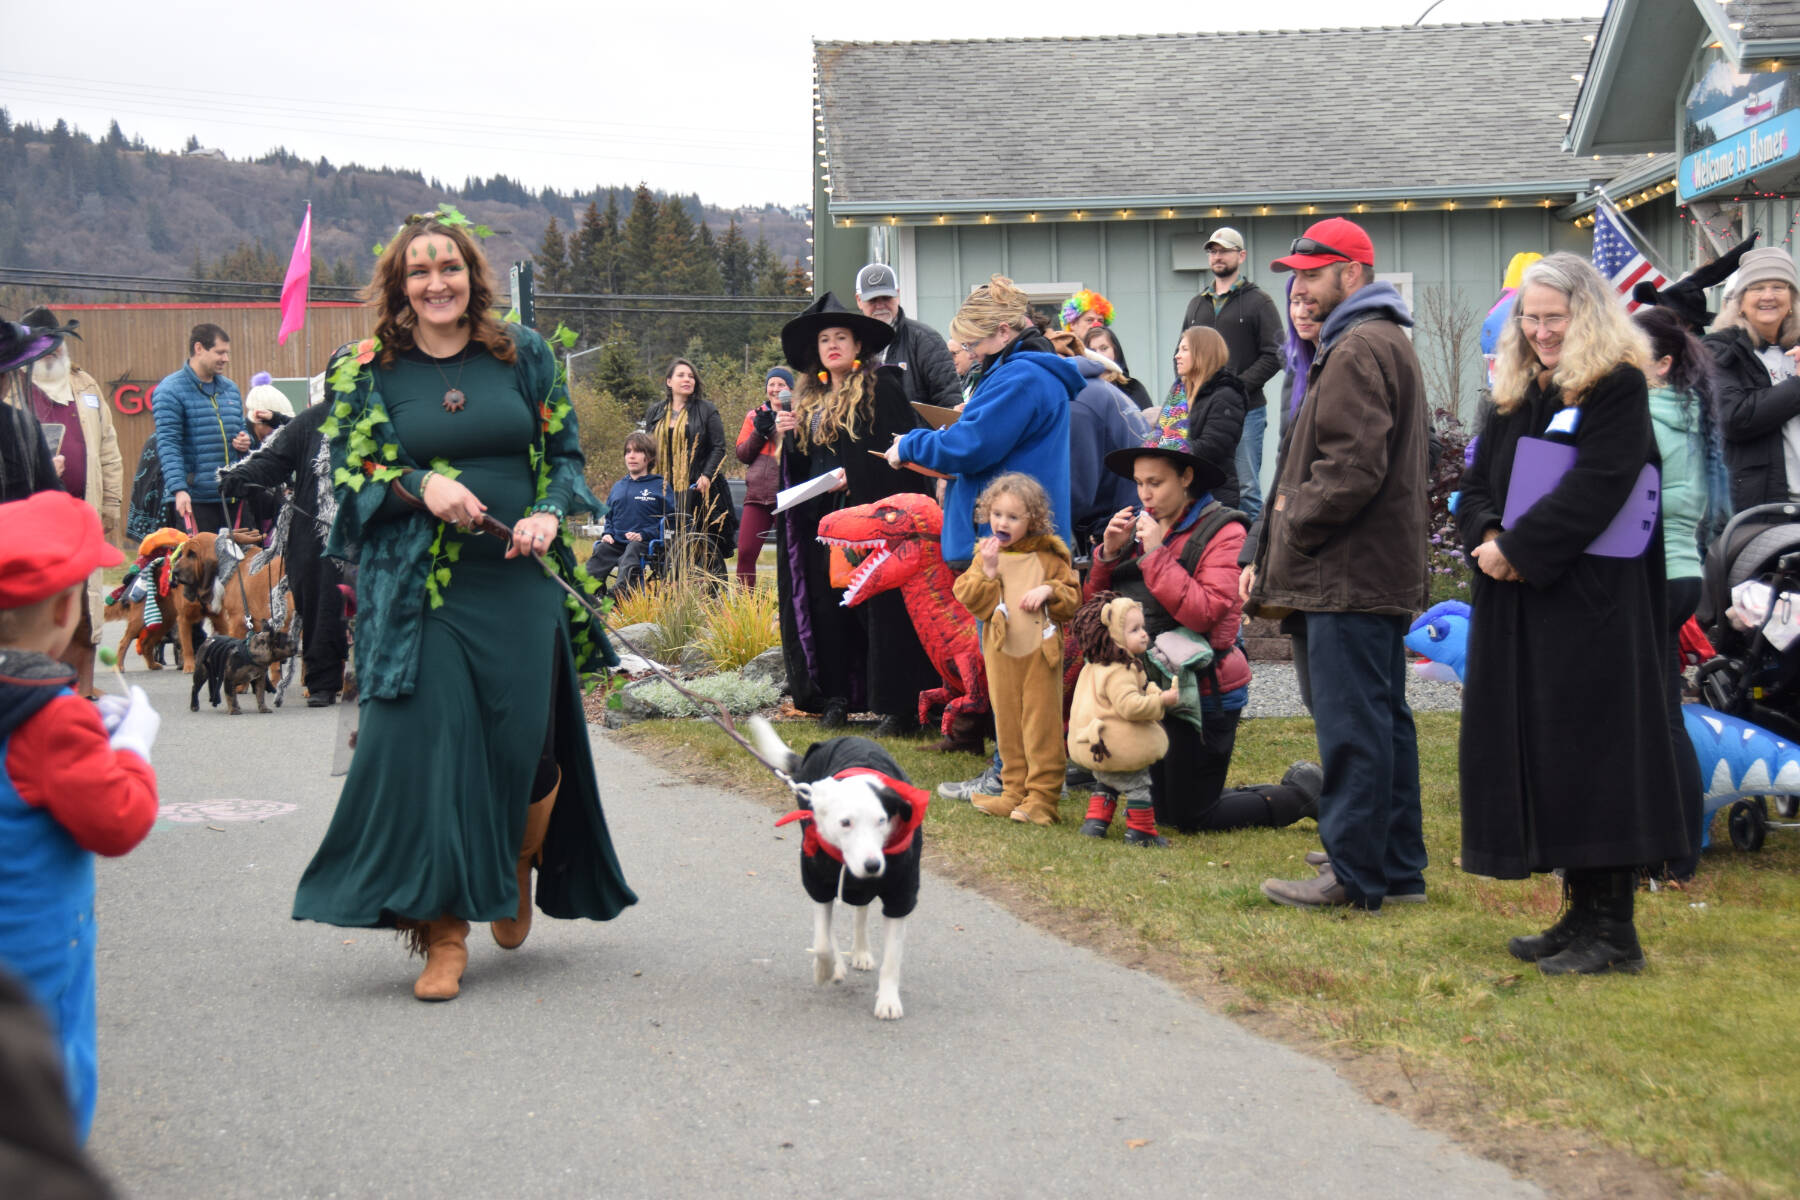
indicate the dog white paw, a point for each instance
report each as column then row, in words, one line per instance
column 828, row 968
column 887, row 1006
column 862, row 960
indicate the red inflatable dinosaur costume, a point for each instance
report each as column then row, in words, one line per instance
column 898, row 540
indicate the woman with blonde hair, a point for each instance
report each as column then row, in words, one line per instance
column 472, row 763
column 1017, row 418
column 1566, row 756
column 867, row 656
column 1206, row 405
column 1755, row 343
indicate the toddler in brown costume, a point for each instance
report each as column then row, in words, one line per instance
column 1022, row 587
column 1115, row 721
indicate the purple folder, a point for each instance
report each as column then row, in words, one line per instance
column 1538, row 465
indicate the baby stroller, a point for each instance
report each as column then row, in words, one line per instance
column 1752, row 676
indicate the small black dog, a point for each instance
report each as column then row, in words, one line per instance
column 232, row 663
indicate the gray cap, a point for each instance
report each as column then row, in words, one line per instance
column 1227, row 237
column 875, row 280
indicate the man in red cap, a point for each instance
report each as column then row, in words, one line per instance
column 75, row 777
column 1341, row 557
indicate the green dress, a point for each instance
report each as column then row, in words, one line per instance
column 432, row 812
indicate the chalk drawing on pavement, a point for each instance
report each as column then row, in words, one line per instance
column 194, row 812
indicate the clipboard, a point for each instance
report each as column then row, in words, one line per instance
column 1539, row 465
column 935, row 416
column 926, row 471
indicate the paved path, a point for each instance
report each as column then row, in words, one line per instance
column 680, row 1051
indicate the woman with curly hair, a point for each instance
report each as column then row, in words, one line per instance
column 1567, row 760
column 865, row 657
column 472, row 760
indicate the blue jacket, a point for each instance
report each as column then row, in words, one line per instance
column 637, row 506
column 194, row 428
column 1016, row 420
column 1101, row 419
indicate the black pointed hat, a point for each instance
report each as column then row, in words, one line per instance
column 800, row 336
column 1686, row 297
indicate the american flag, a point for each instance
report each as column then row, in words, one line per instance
column 1619, row 259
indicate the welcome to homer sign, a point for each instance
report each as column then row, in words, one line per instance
column 1736, row 127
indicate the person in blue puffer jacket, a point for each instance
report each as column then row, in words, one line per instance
column 1017, row 418
column 199, row 428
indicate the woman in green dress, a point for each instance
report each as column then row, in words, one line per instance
column 472, row 762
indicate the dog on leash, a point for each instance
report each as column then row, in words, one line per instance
column 231, row 663
column 864, row 837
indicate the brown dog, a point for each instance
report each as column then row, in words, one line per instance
column 134, row 628
column 191, row 587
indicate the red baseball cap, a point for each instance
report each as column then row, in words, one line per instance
column 48, row 542
column 1332, row 240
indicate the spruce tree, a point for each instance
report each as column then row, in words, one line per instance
column 552, row 260
column 584, row 254
column 734, row 262
column 770, row 277
column 638, row 269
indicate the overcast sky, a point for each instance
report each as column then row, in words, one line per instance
column 687, row 95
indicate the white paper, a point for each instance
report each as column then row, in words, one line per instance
column 830, row 481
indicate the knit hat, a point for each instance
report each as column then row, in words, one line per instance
column 266, row 397
column 1761, row 266
column 49, row 541
column 782, row 373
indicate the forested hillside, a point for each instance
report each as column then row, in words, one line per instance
column 71, row 202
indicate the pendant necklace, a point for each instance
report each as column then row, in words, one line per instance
column 454, row 400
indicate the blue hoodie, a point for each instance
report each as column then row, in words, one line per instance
column 1378, row 299
column 638, row 506
column 1016, row 420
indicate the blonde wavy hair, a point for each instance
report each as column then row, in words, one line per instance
column 836, row 410
column 1039, row 518
column 1600, row 337
column 1731, row 316
column 995, row 303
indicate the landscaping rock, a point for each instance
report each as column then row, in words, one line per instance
column 769, row 665
column 643, row 635
column 693, row 661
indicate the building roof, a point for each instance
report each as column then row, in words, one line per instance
column 1446, row 111
column 1762, row 26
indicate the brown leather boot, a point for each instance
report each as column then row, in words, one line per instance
column 1038, row 810
column 510, row 933
column 994, row 805
column 445, row 943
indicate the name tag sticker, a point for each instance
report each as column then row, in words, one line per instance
column 1565, row 421
column 91, row 399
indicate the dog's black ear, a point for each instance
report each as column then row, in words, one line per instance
column 899, row 808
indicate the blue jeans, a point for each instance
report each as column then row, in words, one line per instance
column 1249, row 461
column 1369, row 816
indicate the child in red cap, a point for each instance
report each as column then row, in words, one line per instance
column 75, row 777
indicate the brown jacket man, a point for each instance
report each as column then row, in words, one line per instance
column 1347, row 529
column 1343, row 550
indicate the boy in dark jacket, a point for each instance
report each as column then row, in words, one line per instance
column 75, row 777
column 635, row 509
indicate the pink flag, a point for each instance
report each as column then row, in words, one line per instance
column 293, row 288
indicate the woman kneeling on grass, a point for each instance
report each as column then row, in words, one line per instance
column 1178, row 558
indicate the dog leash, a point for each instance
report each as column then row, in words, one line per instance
column 495, row 527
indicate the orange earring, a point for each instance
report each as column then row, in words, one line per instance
column 824, row 376
column 856, row 364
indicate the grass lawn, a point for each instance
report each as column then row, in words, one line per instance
column 1693, row 1065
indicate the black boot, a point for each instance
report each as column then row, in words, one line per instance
column 1308, row 779
column 1578, row 901
column 1607, row 940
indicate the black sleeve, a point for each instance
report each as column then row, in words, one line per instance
column 1268, row 344
column 711, row 448
column 1216, row 428
column 931, row 359
column 1748, row 411
column 1477, row 503
column 1191, row 318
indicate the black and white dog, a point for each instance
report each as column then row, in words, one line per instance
column 864, row 834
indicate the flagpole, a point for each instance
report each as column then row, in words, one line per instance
column 1644, row 244
column 307, row 327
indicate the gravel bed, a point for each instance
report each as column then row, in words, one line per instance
column 1275, row 693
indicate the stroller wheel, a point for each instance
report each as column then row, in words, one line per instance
column 1749, row 824
column 1787, row 806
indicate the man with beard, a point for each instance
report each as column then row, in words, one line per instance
column 64, row 395
column 1341, row 555
column 917, row 349
column 199, row 428
column 1246, row 318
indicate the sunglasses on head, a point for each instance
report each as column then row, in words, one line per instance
column 1306, row 245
